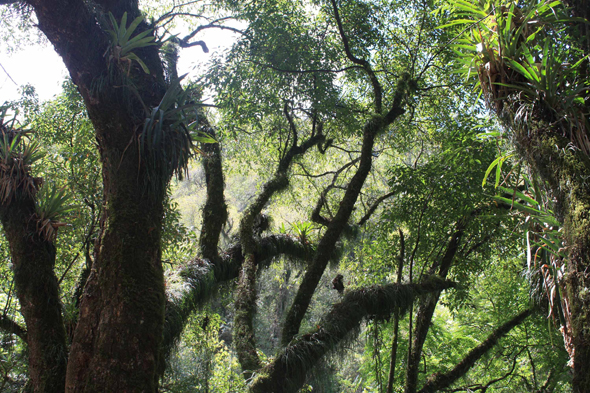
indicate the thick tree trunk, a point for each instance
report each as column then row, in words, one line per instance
column 33, row 260
column 117, row 340
column 116, row 343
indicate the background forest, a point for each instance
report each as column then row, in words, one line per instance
column 355, row 196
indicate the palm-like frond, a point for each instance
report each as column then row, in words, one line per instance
column 122, row 42
column 16, row 158
column 168, row 135
column 509, row 47
column 51, row 205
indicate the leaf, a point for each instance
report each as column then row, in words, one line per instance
column 132, row 27
column 133, row 56
column 496, row 163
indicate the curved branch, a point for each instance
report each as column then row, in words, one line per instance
column 184, row 42
column 377, row 90
column 374, row 207
column 11, row 327
column 439, row 381
column 316, row 214
column 245, row 303
column 288, row 371
column 371, row 129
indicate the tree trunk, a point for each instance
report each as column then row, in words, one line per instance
column 117, row 340
column 566, row 172
column 426, row 310
column 33, row 260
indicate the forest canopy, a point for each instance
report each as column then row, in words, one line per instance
column 355, row 196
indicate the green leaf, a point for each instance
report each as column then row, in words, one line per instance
column 133, row 56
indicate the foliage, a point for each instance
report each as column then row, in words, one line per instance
column 122, row 43
column 510, row 48
column 288, row 79
column 51, row 204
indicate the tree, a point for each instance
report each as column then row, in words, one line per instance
column 326, row 80
column 539, row 90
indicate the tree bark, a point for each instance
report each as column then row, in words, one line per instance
column 287, row 373
column 566, row 172
column 396, row 316
column 426, row 310
column 336, row 226
column 33, row 260
column 215, row 209
column 245, row 304
column 201, row 278
column 116, row 342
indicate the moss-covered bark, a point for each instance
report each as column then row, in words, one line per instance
column 117, row 339
column 115, row 346
column 287, row 373
column 215, row 209
column 33, row 260
column 567, row 171
column 201, row 279
column 11, row 327
column 313, row 274
column 245, row 304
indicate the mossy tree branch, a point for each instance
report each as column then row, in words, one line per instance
column 440, row 381
column 215, row 208
column 245, row 303
column 287, row 373
column 371, row 129
column 37, row 289
column 200, row 279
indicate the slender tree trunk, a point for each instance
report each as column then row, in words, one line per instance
column 396, row 316
column 33, row 260
column 440, row 381
column 215, row 209
column 426, row 310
